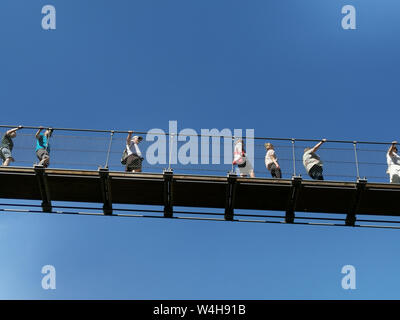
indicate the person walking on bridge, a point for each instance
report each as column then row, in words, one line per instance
column 312, row 161
column 271, row 161
column 134, row 155
column 393, row 161
column 7, row 145
column 241, row 160
column 43, row 146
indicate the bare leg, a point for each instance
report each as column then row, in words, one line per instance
column 44, row 162
column 7, row 162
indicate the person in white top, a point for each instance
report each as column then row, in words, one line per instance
column 240, row 159
column 312, row 161
column 134, row 155
column 271, row 161
column 393, row 161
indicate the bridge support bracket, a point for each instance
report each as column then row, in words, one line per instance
column 168, row 193
column 230, row 196
column 351, row 215
column 43, row 187
column 294, row 195
column 106, row 191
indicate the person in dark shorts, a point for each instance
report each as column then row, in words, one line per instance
column 7, row 145
column 312, row 161
column 134, row 156
column 43, row 146
column 271, row 161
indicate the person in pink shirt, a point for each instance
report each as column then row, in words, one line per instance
column 240, row 159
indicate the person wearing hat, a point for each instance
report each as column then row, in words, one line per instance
column 43, row 146
column 393, row 161
column 134, row 156
column 7, row 145
column 271, row 161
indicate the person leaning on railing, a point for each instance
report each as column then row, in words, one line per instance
column 43, row 146
column 393, row 161
column 134, row 157
column 312, row 162
column 271, row 161
column 7, row 145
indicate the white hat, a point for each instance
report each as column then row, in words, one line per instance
column 137, row 137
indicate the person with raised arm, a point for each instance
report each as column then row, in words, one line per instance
column 312, row 162
column 134, row 157
column 393, row 161
column 43, row 146
column 7, row 145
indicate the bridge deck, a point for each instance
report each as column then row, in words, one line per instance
column 200, row 191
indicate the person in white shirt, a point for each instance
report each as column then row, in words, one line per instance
column 240, row 159
column 312, row 161
column 271, row 161
column 393, row 161
column 134, row 156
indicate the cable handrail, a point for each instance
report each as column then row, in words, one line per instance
column 198, row 135
column 86, row 150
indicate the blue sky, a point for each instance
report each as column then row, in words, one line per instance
column 284, row 68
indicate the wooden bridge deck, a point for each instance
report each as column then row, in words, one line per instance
column 171, row 190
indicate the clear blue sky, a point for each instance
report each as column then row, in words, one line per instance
column 283, row 67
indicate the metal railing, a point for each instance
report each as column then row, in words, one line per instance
column 90, row 149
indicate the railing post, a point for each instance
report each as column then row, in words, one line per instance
column 292, row 201
column 294, row 159
column 230, row 196
column 171, row 143
column 356, row 159
column 109, row 149
column 358, row 194
column 233, row 150
column 105, row 185
column 168, row 194
column 43, row 188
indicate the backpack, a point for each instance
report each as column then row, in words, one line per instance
column 242, row 162
column 124, row 157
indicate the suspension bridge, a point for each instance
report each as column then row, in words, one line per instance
column 168, row 191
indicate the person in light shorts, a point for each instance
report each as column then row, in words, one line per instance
column 393, row 161
column 43, row 146
column 241, row 160
column 7, row 145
